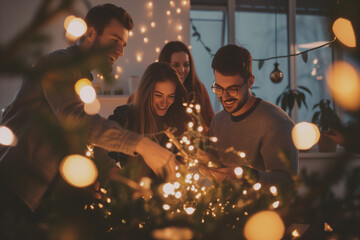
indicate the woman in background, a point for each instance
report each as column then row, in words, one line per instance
column 157, row 106
column 178, row 55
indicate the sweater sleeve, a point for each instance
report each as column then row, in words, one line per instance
column 58, row 87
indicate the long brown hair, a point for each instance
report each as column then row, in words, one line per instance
column 146, row 119
column 192, row 82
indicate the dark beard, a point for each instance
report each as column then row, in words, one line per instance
column 239, row 106
column 104, row 64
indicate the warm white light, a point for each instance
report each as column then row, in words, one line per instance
column 150, row 4
column 139, row 58
column 242, row 154
column 143, row 29
column 92, row 108
column 178, row 10
column 196, row 176
column 87, row 94
column 157, row 49
column 176, row 185
column 76, row 27
column 172, row 3
column 213, row 139
column 131, row 33
column 273, row 190
column 190, row 124
column 184, row 2
column 166, row 207
column 276, row 204
column 272, row 226
column 153, row 24
column 190, row 210
column 188, row 176
column 168, row 12
column 7, row 137
column 344, row 32
column 200, row 129
column 179, row 27
column 178, row 175
column 168, row 188
column 166, row 41
column 116, row 76
column 238, row 171
column 244, row 192
column 179, row 37
column 178, row 194
column 305, row 135
column 257, row 186
column 82, row 83
column 78, row 171
column 344, row 83
column 295, row 233
column 198, row 108
column 191, row 148
column 146, row 40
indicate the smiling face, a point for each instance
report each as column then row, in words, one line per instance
column 116, row 35
column 235, row 105
column 180, row 61
column 163, row 96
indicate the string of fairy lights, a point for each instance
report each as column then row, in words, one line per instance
column 184, row 195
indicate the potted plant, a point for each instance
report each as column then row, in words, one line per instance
column 289, row 96
column 326, row 119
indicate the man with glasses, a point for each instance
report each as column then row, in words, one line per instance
column 249, row 124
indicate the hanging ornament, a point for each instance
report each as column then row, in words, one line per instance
column 276, row 75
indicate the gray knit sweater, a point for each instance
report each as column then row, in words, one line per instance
column 263, row 133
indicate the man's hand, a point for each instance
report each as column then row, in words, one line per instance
column 335, row 136
column 156, row 157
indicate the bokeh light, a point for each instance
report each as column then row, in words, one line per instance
column 305, row 135
column 343, row 81
column 7, row 137
column 87, row 94
column 76, row 27
column 78, row 171
column 271, row 224
column 82, row 83
column 344, row 32
column 93, row 107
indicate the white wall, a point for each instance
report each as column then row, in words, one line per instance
column 16, row 14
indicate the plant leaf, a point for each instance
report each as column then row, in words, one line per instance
column 305, row 89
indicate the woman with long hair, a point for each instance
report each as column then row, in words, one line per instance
column 157, row 106
column 178, row 55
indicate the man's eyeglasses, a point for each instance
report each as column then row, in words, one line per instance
column 233, row 91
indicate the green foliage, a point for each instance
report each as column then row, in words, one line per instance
column 289, row 96
column 326, row 116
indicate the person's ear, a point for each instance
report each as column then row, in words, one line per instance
column 251, row 81
column 90, row 35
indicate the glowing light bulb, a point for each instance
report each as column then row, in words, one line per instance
column 295, row 233
column 143, row 29
column 190, row 124
column 131, row 33
column 176, row 185
column 343, row 81
column 178, row 194
column 76, row 27
column 273, row 190
column 242, row 154
column 178, row 10
column 78, row 171
column 150, row 4
column 213, row 139
column 191, row 148
column 172, row 3
column 272, row 226
column 146, row 40
column 179, row 27
column 179, row 37
column 168, row 188
column 200, row 129
column 344, row 31
column 190, row 210
column 7, row 137
column 93, row 107
column 276, row 204
column 169, row 145
column 168, row 12
column 196, row 176
column 139, row 58
column 87, row 94
column 238, row 171
column 157, row 49
column 166, row 207
column 153, row 24
column 257, row 186
column 305, row 135
column 198, row 108
column 184, row 2
column 145, row 182
column 244, row 192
